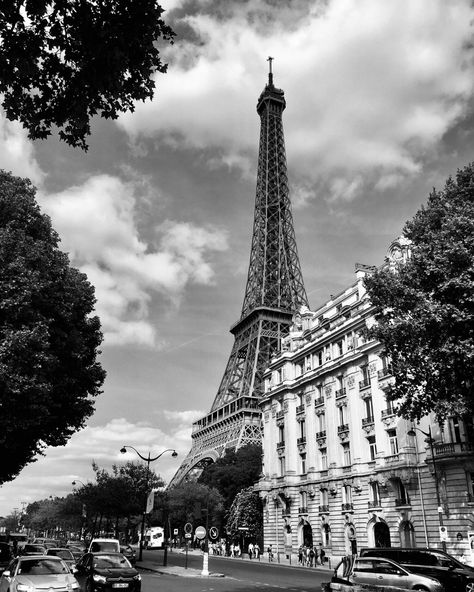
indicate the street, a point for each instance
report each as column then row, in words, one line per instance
column 238, row 575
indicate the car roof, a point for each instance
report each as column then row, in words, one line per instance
column 36, row 557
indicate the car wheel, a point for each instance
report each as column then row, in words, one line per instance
column 470, row 587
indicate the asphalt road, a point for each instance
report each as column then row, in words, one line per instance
column 239, row 575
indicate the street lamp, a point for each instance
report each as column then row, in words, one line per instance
column 148, row 459
column 430, row 440
column 76, row 481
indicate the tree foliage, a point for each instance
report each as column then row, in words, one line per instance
column 49, row 373
column 425, row 307
column 190, row 502
column 246, row 512
column 233, row 472
column 64, row 61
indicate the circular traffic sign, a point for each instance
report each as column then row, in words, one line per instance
column 200, row 532
column 213, row 533
column 188, row 528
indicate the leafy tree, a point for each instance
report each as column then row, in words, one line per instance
column 64, row 61
column 49, row 341
column 425, row 307
column 233, row 472
column 190, row 502
column 247, row 512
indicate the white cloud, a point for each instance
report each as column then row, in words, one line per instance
column 16, row 151
column 96, row 222
column 371, row 86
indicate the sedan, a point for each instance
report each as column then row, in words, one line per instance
column 107, row 572
column 66, row 555
column 33, row 549
column 38, row 573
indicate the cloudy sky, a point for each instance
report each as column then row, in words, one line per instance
column 158, row 212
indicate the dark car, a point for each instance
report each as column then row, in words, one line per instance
column 107, row 572
column 6, row 555
column 66, row 555
column 32, row 549
column 454, row 575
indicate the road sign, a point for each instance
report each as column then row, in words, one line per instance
column 443, row 533
column 213, row 533
column 187, row 535
column 200, row 532
column 188, row 528
column 150, row 501
column 175, row 531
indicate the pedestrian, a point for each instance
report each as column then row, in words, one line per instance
column 322, row 554
column 300, row 555
column 311, row 557
column 250, row 550
column 256, row 550
column 270, row 553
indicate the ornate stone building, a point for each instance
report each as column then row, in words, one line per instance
column 340, row 468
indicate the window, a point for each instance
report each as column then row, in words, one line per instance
column 324, row 497
column 347, row 494
column 340, row 348
column 320, row 358
column 346, row 454
column 342, row 415
column 369, row 409
column 324, row 459
column 375, row 493
column 303, row 463
column 298, row 369
column 322, row 422
column 282, row 465
column 302, row 429
column 303, row 499
column 281, row 434
column 326, row 535
column 402, row 493
column 372, row 447
column 470, row 486
column 307, row 364
column 392, row 441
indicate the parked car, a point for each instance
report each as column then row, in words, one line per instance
column 107, row 571
column 129, row 553
column 32, row 549
column 48, row 543
column 37, row 572
column 376, row 571
column 454, row 575
column 6, row 555
column 66, row 555
column 104, row 545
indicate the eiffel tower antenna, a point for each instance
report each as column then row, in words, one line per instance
column 274, row 292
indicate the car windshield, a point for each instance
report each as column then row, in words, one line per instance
column 108, row 561
column 40, row 567
column 63, row 553
column 36, row 548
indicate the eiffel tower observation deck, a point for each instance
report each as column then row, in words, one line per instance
column 274, row 292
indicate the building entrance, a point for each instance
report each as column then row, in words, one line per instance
column 382, row 535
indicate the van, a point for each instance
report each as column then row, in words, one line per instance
column 104, row 546
column 454, row 575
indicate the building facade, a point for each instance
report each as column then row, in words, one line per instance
column 341, row 469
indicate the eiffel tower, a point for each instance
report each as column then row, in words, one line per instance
column 274, row 291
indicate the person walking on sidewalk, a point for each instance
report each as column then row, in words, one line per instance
column 250, row 550
column 270, row 553
column 256, row 550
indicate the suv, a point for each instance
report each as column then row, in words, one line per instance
column 454, row 575
column 104, row 546
column 6, row 555
column 383, row 574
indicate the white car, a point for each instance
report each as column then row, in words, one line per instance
column 35, row 572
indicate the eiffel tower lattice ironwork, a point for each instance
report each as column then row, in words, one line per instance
column 274, row 292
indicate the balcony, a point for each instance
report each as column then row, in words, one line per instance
column 281, row 444
column 367, row 421
column 402, row 503
column 347, row 507
column 449, row 449
column 303, row 510
column 342, row 428
column 320, row 435
column 301, row 441
column 280, row 414
column 386, row 372
column 375, row 504
column 324, row 509
column 319, row 401
column 388, row 412
column 364, row 384
column 340, row 393
column 299, row 409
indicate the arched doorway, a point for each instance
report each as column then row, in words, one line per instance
column 350, row 539
column 381, row 535
column 306, row 534
column 326, row 535
column 407, row 534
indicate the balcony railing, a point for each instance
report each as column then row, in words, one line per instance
column 343, row 428
column 399, row 502
column 324, row 509
column 340, row 393
column 347, row 507
column 281, row 444
column 301, row 440
column 320, row 434
column 303, row 510
column 374, row 504
column 319, row 401
column 384, row 373
column 388, row 412
column 280, row 414
column 367, row 420
column 363, row 384
column 300, row 409
column 392, row 458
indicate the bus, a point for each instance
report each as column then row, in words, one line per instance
column 154, row 537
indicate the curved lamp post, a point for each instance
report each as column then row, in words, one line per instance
column 430, row 440
column 76, row 481
column 148, row 459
